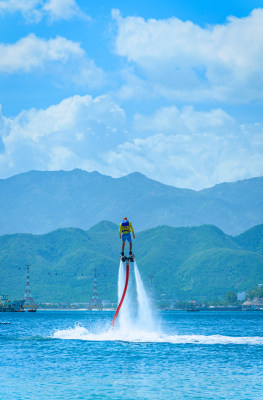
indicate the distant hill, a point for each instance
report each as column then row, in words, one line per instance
column 186, row 263
column 39, row 202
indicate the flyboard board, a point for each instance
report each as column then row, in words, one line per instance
column 127, row 260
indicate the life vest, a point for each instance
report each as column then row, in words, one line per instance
column 125, row 227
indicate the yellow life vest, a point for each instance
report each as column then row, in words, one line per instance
column 125, row 227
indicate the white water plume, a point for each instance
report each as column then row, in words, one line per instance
column 135, row 322
column 145, row 314
column 127, row 319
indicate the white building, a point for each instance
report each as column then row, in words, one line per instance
column 241, row 296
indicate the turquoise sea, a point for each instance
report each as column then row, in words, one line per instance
column 74, row 355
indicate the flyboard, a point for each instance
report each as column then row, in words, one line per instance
column 127, row 260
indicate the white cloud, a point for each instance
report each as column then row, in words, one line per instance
column 32, row 52
column 187, row 120
column 181, row 147
column 24, row 6
column 35, row 10
column 192, row 161
column 189, row 148
column 133, row 86
column 61, row 9
column 72, row 134
column 185, row 61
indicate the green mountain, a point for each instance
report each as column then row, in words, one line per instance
column 39, row 202
column 198, row 262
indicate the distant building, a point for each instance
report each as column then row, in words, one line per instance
column 106, row 303
column 241, row 296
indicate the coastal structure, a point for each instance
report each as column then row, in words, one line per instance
column 95, row 303
column 192, row 306
column 254, row 304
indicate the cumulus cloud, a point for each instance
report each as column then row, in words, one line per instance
column 182, row 60
column 23, row 6
column 73, row 133
column 184, row 121
column 181, row 147
column 35, row 10
column 191, row 161
column 32, row 52
column 61, row 9
column 189, row 148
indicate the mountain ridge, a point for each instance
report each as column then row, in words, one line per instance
column 186, row 263
column 42, row 201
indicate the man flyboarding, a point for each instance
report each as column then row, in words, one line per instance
column 125, row 233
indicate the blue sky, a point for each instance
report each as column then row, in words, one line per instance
column 173, row 90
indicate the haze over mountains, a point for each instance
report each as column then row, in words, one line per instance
column 40, row 202
column 186, row 263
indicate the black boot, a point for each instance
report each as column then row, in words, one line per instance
column 131, row 257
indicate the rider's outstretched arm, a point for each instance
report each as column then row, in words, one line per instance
column 132, row 230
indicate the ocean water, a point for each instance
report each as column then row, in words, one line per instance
column 75, row 355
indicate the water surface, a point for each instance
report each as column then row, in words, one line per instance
column 75, row 355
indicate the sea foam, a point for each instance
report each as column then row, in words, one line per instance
column 140, row 336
